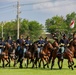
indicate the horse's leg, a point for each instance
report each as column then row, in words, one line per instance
column 53, row 59
column 9, row 61
column 71, row 63
column 43, row 63
column 60, row 63
column 32, row 61
column 21, row 61
column 47, row 62
column 27, row 62
column 3, row 65
column 36, row 60
column 40, row 63
column 0, row 60
column 15, row 61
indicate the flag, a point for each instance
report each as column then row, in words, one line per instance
column 72, row 24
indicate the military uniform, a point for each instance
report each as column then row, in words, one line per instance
column 27, row 43
column 40, row 44
column 9, row 40
column 63, row 44
column 1, row 45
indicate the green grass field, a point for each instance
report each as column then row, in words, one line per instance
column 38, row 71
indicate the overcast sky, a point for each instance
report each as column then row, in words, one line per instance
column 38, row 10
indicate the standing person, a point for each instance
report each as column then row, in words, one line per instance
column 63, row 44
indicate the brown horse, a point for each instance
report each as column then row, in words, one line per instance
column 68, row 54
column 4, row 55
column 45, row 54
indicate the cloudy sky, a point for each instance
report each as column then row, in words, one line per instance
column 38, row 10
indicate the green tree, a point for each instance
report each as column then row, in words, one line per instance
column 35, row 29
column 56, row 23
column 24, row 28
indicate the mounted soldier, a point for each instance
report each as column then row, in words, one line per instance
column 46, row 40
column 1, row 46
column 63, row 45
column 40, row 44
column 27, row 42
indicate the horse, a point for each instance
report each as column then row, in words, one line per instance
column 45, row 54
column 19, row 49
column 5, row 55
column 30, row 54
column 22, row 55
column 68, row 54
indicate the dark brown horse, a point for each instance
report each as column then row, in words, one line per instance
column 30, row 54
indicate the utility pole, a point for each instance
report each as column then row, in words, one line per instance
column 18, row 24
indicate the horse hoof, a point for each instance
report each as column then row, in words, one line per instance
column 47, row 66
column 51, row 68
column 60, row 68
column 72, row 68
column 75, row 66
column 20, row 67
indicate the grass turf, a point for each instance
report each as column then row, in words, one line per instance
column 38, row 71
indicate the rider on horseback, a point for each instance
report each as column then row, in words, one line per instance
column 9, row 40
column 2, row 44
column 19, row 43
column 40, row 44
column 46, row 40
column 63, row 44
column 27, row 44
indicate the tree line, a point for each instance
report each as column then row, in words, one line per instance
column 34, row 29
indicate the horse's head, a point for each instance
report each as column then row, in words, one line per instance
column 74, row 41
column 23, row 43
column 7, row 45
column 55, row 44
column 34, row 46
column 48, row 46
column 14, row 45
